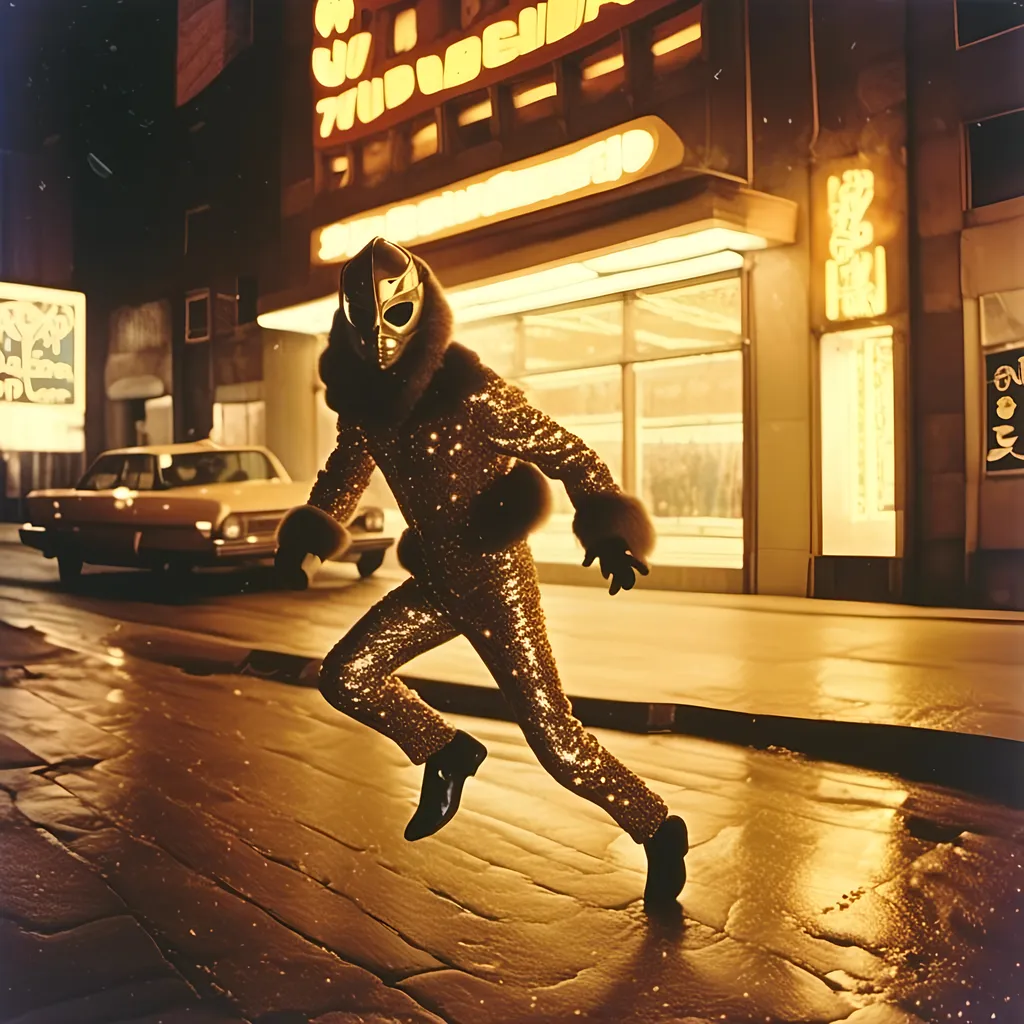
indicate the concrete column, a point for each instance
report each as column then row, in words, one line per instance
column 937, row 524
column 779, row 301
column 290, row 393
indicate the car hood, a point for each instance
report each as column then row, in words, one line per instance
column 177, row 504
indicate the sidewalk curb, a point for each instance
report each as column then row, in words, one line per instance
column 986, row 766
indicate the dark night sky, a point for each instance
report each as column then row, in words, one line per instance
column 95, row 77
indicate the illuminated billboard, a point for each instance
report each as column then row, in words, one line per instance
column 42, row 369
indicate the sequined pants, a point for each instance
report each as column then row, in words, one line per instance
column 495, row 603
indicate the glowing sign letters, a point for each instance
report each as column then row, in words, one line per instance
column 634, row 150
column 342, row 61
column 855, row 283
column 1005, row 401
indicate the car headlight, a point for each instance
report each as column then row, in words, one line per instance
column 231, row 528
column 373, row 520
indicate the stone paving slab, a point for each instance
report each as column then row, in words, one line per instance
column 252, row 837
column 951, row 671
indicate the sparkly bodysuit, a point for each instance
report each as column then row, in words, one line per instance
column 436, row 465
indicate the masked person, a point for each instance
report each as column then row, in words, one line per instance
column 461, row 449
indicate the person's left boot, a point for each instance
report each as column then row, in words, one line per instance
column 444, row 775
column 666, row 868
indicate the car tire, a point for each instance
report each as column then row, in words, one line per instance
column 369, row 562
column 69, row 567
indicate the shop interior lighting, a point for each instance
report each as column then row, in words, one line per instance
column 677, row 40
column 671, row 250
column 405, row 30
column 524, row 285
column 469, row 307
column 604, row 66
column 424, row 142
column 477, row 112
column 339, row 165
column 680, row 258
column 534, row 94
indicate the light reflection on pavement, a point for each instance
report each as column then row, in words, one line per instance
column 249, row 843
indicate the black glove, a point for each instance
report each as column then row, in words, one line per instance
column 293, row 573
column 618, row 562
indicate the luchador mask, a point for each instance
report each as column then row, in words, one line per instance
column 382, row 297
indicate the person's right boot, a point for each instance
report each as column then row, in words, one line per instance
column 444, row 775
column 666, row 868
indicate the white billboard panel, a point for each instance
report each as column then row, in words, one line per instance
column 42, row 369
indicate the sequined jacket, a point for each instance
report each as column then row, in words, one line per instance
column 460, row 448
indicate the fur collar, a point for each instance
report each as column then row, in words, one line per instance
column 459, row 376
column 362, row 394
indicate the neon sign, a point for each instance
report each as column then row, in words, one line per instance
column 340, row 61
column 607, row 160
column 855, row 280
column 42, row 368
column 37, row 352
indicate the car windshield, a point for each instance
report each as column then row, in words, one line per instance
column 137, row 471
column 198, row 469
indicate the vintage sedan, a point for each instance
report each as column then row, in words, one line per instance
column 174, row 507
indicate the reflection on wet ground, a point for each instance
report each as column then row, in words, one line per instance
column 232, row 843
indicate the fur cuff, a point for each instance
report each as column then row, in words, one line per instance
column 508, row 510
column 410, row 554
column 600, row 517
column 308, row 530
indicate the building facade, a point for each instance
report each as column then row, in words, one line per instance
column 43, row 378
column 687, row 230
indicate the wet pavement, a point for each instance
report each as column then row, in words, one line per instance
column 957, row 671
column 182, row 847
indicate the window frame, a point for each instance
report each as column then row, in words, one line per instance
column 982, row 39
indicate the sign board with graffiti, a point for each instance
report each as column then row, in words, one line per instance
column 1004, row 411
column 42, row 369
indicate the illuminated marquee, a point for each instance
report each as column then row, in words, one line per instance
column 42, row 368
column 855, row 282
column 608, row 160
column 529, row 37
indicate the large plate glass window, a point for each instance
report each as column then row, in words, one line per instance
column 652, row 380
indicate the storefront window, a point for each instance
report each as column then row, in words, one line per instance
column 239, row 423
column 588, row 403
column 696, row 318
column 683, row 452
column 858, row 443
column 690, row 457
column 494, row 341
column 581, row 336
column 1002, row 318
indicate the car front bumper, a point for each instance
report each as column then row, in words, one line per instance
column 160, row 545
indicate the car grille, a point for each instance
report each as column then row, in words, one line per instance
column 266, row 523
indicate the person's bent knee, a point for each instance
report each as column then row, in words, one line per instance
column 339, row 680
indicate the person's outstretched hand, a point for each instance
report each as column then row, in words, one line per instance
column 292, row 574
column 618, row 562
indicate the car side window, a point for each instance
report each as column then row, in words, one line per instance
column 255, row 466
column 104, row 474
column 139, row 472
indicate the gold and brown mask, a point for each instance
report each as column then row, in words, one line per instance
column 382, row 298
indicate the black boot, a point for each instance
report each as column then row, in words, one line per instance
column 666, row 869
column 444, row 775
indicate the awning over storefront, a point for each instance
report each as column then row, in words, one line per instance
column 689, row 228
column 139, row 357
